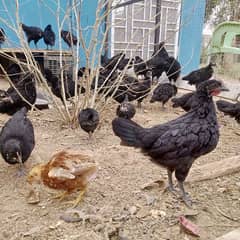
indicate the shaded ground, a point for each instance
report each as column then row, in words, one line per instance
column 115, row 200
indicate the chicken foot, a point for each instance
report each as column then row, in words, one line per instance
column 79, row 198
column 21, row 171
column 185, row 196
column 61, row 196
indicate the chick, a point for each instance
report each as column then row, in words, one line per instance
column 163, row 92
column 65, row 171
column 126, row 109
column 17, row 139
column 88, row 119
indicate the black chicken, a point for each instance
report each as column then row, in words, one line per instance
column 172, row 69
column 162, row 62
column 69, row 38
column 158, row 71
column 163, row 92
column 125, row 62
column 126, row 109
column 12, row 101
column 56, row 85
column 185, row 101
column 17, row 139
column 117, row 62
column 32, row 33
column 104, row 60
column 230, row 109
column 83, row 71
column 176, row 144
column 15, row 72
column 125, row 88
column 140, row 67
column 107, row 74
column 142, row 88
column 134, row 88
column 158, row 61
column 49, row 36
column 158, row 56
column 88, row 119
column 2, row 37
column 200, row 75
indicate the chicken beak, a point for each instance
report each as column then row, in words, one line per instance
column 224, row 89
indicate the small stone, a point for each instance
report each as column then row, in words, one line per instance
column 157, row 213
column 156, row 184
column 52, row 227
column 238, row 184
column 112, row 231
column 190, row 213
column 133, row 210
column 99, row 227
column 32, row 231
column 122, row 235
column 33, row 197
column 222, row 190
column 44, row 213
column 150, row 199
column 121, row 217
column 6, row 234
column 142, row 213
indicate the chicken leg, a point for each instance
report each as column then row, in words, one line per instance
column 21, row 171
column 90, row 136
column 79, row 198
column 170, row 186
column 139, row 105
column 185, row 196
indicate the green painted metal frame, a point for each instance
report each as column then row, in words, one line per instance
column 222, row 38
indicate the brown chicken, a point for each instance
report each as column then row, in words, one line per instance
column 65, row 171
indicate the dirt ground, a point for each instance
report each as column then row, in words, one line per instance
column 115, row 205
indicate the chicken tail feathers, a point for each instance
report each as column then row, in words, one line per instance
column 185, row 78
column 226, row 107
column 128, row 131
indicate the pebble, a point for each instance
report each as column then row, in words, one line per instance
column 133, row 210
column 99, row 227
column 122, row 235
column 157, row 213
column 152, row 185
column 6, row 234
column 150, row 199
column 142, row 213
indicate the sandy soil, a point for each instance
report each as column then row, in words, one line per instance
column 115, row 205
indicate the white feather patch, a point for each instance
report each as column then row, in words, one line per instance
column 60, row 173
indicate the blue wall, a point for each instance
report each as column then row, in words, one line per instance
column 41, row 13
column 190, row 37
